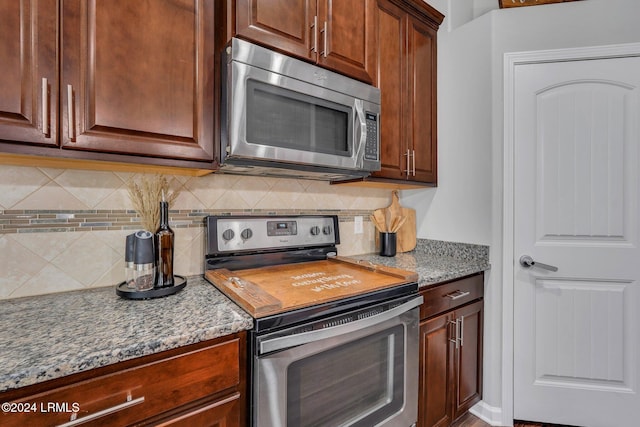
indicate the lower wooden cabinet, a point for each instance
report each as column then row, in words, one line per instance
column 436, row 366
column 451, row 330
column 201, row 384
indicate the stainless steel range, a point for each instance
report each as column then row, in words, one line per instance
column 335, row 341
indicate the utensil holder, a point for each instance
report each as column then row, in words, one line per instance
column 388, row 244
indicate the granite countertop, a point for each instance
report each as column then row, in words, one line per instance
column 50, row 336
column 437, row 261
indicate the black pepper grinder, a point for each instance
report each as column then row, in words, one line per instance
column 129, row 269
column 144, row 265
column 164, row 248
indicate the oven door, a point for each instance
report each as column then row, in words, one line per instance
column 358, row 373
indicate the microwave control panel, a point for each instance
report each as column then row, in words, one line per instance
column 371, row 145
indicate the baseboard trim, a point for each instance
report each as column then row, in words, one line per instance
column 489, row 414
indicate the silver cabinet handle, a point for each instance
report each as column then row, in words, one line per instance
column 45, row 107
column 457, row 295
column 458, row 338
column 527, row 262
column 314, row 26
column 324, row 37
column 411, row 162
column 70, row 114
column 413, row 169
column 455, row 339
column 76, row 421
column 408, row 154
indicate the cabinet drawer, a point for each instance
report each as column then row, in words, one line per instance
column 134, row 394
column 225, row 412
column 440, row 298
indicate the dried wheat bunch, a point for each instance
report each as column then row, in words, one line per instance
column 146, row 196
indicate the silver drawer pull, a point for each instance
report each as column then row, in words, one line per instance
column 457, row 295
column 129, row 403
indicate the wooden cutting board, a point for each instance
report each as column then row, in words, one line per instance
column 276, row 289
column 406, row 235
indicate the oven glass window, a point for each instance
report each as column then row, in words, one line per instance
column 359, row 383
column 283, row 118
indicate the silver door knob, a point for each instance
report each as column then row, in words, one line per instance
column 527, row 262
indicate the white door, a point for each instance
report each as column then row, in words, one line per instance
column 576, row 193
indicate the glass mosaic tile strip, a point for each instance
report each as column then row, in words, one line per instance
column 46, row 221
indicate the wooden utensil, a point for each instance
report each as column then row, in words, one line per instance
column 399, row 222
column 380, row 220
column 406, row 232
column 376, row 222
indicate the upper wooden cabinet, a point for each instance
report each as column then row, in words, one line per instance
column 339, row 35
column 116, row 77
column 137, row 77
column 29, row 78
column 407, row 71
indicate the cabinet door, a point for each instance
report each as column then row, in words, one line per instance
column 468, row 388
column 421, row 94
column 391, row 80
column 138, row 78
column 347, row 37
column 285, row 25
column 222, row 413
column 436, row 376
column 28, row 81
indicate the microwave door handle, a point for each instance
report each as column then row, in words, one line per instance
column 280, row 343
column 361, row 120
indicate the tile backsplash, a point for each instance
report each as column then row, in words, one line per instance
column 63, row 229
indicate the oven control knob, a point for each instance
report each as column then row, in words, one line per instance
column 246, row 234
column 326, row 229
column 315, row 230
column 228, row 234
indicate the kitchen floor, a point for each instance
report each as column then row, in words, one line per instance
column 470, row 420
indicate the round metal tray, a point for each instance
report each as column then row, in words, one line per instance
column 125, row 292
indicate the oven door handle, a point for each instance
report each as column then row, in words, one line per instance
column 288, row 341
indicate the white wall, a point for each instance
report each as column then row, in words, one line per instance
column 467, row 205
column 459, row 208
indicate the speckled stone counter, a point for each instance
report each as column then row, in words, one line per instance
column 55, row 335
column 50, row 336
column 437, row 261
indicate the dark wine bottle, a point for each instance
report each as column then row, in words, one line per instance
column 164, row 248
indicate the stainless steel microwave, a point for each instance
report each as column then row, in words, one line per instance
column 285, row 117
